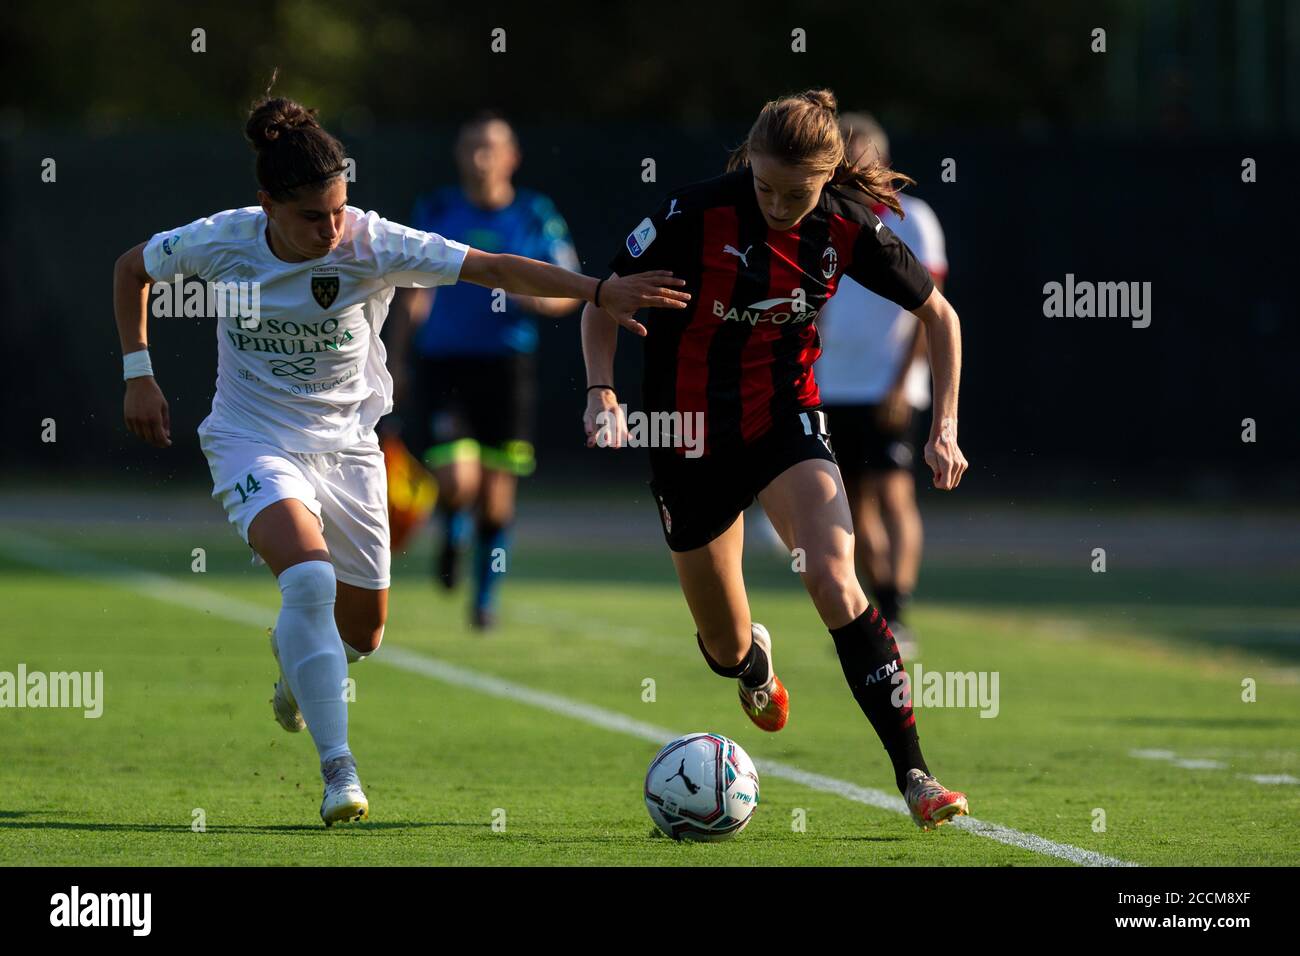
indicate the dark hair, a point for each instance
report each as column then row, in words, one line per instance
column 483, row 118
column 804, row 130
column 293, row 149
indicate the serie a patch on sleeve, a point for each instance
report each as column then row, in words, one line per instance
column 639, row 239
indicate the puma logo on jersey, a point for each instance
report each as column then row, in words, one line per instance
column 672, row 210
column 742, row 256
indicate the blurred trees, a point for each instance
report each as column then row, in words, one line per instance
column 1023, row 65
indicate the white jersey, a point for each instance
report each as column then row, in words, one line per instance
column 865, row 338
column 308, row 374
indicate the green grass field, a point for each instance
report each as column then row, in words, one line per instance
column 1091, row 669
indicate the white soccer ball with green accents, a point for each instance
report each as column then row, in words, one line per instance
column 701, row 787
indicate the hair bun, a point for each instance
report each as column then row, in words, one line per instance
column 272, row 117
column 823, row 98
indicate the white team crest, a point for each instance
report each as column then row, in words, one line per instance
column 830, row 262
column 639, row 239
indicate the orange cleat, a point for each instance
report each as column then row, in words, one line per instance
column 931, row 803
column 767, row 706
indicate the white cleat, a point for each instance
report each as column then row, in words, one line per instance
column 767, row 706
column 283, row 705
column 344, row 801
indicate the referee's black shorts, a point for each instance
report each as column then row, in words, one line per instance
column 477, row 407
column 700, row 498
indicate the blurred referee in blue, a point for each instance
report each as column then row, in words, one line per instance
column 463, row 357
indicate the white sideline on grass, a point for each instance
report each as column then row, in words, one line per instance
column 1198, row 763
column 50, row 556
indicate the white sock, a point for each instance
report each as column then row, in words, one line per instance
column 311, row 653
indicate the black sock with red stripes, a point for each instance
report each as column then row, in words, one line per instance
column 752, row 667
column 869, row 657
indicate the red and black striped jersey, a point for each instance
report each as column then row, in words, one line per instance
column 742, row 352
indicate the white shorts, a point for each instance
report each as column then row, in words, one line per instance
column 346, row 490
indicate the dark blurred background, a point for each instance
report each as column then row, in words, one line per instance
column 1117, row 166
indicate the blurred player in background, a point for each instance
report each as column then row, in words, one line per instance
column 464, row 358
column 301, row 384
column 875, row 381
column 763, row 249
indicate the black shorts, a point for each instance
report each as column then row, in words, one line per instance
column 863, row 446
column 700, row 498
column 472, row 407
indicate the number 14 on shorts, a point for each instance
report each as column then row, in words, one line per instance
column 247, row 488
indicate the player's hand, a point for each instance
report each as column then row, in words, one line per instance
column 604, row 421
column 944, row 457
column 146, row 412
column 621, row 296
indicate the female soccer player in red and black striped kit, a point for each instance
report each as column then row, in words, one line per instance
column 762, row 248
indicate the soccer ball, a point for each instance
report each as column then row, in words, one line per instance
column 701, row 787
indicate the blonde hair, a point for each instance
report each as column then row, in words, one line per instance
column 804, row 130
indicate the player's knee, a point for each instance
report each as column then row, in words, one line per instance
column 308, row 584
column 454, row 490
column 457, row 485
column 496, row 515
column 831, row 583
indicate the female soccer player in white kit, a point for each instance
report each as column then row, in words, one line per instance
column 290, row 441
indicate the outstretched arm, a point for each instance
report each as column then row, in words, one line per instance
column 144, row 408
column 943, row 336
column 619, row 296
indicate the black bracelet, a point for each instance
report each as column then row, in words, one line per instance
column 590, row 387
column 595, row 299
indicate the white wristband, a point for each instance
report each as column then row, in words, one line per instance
column 136, row 365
